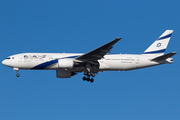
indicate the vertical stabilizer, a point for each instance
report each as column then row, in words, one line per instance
column 159, row 46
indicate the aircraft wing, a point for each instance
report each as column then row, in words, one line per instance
column 98, row 53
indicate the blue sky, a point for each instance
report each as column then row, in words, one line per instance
column 78, row 27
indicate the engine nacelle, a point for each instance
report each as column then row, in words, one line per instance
column 65, row 63
column 64, row 74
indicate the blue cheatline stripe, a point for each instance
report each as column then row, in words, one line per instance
column 45, row 64
column 49, row 63
column 71, row 56
column 154, row 52
column 167, row 36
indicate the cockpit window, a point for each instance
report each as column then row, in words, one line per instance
column 8, row 58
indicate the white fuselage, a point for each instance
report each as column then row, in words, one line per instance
column 97, row 60
column 111, row 62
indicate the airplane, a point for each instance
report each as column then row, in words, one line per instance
column 93, row 62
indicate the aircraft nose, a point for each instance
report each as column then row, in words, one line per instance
column 5, row 62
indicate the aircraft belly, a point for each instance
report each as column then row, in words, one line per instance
column 120, row 65
column 104, row 66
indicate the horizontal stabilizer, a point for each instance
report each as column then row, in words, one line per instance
column 164, row 57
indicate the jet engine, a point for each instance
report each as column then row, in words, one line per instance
column 64, row 74
column 65, row 63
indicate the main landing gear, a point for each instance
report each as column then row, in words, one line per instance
column 88, row 73
column 88, row 77
column 17, row 72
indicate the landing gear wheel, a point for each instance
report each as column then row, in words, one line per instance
column 92, row 80
column 89, row 74
column 88, row 79
column 93, row 75
column 17, row 71
column 85, row 73
column 84, row 78
column 17, row 75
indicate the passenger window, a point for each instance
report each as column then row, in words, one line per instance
column 26, row 57
column 34, row 56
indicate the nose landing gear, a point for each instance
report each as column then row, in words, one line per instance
column 17, row 72
column 17, row 75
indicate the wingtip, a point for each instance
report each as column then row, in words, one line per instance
column 118, row 38
column 174, row 52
